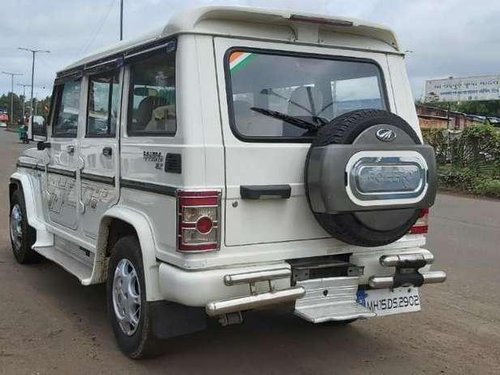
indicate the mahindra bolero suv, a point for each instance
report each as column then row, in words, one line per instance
column 236, row 159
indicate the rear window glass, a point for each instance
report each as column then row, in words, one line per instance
column 277, row 96
column 152, row 96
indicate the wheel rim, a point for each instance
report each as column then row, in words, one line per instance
column 16, row 230
column 127, row 297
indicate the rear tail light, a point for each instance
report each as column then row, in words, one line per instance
column 198, row 221
column 422, row 224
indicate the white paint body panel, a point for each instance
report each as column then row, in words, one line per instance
column 256, row 235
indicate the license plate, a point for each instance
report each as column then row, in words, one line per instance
column 390, row 301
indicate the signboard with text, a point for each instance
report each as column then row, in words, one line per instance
column 463, row 89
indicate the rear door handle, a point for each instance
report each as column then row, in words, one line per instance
column 265, row 191
column 107, row 151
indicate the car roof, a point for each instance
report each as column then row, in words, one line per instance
column 233, row 21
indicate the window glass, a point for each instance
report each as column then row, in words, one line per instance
column 103, row 104
column 290, row 96
column 152, row 96
column 68, row 108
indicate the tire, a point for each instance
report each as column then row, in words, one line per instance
column 354, row 227
column 22, row 236
column 136, row 340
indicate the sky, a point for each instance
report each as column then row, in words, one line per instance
column 444, row 37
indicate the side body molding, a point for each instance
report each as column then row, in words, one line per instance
column 32, row 199
column 143, row 228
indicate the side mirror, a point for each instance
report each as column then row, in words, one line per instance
column 42, row 145
column 37, row 127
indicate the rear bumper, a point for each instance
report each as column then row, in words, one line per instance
column 227, row 290
column 198, row 288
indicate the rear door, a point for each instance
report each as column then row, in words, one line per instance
column 265, row 156
column 99, row 152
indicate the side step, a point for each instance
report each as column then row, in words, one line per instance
column 330, row 299
column 77, row 268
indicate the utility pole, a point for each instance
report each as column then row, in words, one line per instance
column 121, row 19
column 11, row 118
column 33, row 52
column 24, row 98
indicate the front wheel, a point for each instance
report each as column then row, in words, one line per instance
column 128, row 308
column 22, row 236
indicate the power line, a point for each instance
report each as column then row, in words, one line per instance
column 94, row 36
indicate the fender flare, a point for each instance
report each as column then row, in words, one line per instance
column 24, row 182
column 148, row 247
column 33, row 208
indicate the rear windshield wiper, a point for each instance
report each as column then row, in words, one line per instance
column 303, row 124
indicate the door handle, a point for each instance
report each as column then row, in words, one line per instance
column 265, row 191
column 70, row 149
column 107, row 151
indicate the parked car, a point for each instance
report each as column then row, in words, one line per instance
column 256, row 158
column 4, row 117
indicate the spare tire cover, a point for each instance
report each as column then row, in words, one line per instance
column 372, row 130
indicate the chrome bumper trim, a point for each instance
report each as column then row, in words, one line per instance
column 384, row 282
column 253, row 301
column 256, row 276
column 406, row 259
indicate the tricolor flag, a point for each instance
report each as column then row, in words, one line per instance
column 238, row 60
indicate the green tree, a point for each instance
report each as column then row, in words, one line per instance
column 481, row 107
column 18, row 106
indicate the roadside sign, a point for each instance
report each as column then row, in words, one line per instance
column 463, row 89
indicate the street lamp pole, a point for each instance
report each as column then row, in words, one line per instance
column 11, row 118
column 33, row 52
column 24, row 98
column 121, row 19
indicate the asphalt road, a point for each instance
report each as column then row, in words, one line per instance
column 49, row 323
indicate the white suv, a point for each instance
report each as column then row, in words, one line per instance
column 237, row 158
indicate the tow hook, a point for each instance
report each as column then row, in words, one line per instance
column 407, row 271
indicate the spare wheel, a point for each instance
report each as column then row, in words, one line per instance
column 368, row 176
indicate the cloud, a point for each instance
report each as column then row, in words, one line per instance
column 447, row 37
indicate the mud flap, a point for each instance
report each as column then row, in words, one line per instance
column 171, row 319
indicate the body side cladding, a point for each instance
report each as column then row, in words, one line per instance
column 97, row 178
column 69, row 173
column 149, row 187
column 34, row 167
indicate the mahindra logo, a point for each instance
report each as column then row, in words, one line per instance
column 385, row 135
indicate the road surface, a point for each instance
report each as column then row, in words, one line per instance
column 49, row 323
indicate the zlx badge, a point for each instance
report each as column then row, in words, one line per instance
column 386, row 135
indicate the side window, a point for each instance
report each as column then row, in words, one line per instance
column 151, row 108
column 103, row 104
column 67, row 110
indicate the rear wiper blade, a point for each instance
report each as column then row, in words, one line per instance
column 303, row 124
